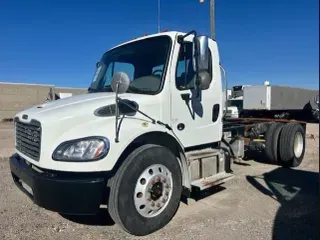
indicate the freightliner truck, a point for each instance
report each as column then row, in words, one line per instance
column 149, row 131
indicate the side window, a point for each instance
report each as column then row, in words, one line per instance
column 114, row 67
column 184, row 73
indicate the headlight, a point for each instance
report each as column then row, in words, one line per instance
column 85, row 149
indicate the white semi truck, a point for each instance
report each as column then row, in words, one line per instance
column 149, row 131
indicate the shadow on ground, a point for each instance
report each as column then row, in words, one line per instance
column 198, row 195
column 297, row 191
column 257, row 156
column 101, row 219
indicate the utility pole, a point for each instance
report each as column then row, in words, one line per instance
column 159, row 16
column 212, row 18
column 212, row 22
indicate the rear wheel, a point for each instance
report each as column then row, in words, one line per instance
column 292, row 145
column 145, row 192
column 272, row 142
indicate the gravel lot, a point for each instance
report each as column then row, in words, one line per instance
column 261, row 202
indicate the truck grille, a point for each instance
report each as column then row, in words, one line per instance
column 28, row 138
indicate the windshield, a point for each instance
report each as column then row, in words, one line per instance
column 144, row 61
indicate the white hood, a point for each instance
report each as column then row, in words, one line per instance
column 73, row 117
column 80, row 106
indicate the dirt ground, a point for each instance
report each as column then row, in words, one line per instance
column 261, row 202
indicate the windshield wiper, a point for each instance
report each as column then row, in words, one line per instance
column 133, row 89
column 105, row 89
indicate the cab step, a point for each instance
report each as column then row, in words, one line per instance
column 207, row 182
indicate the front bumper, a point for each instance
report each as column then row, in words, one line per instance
column 63, row 192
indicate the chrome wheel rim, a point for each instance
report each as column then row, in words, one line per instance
column 298, row 145
column 153, row 190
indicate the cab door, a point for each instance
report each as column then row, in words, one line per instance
column 195, row 120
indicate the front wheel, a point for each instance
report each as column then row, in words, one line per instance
column 146, row 190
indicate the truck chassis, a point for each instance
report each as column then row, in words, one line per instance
column 282, row 141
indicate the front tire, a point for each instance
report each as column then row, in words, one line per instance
column 146, row 190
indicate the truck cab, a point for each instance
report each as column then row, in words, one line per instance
column 234, row 107
column 164, row 112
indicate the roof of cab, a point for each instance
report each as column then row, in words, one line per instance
column 172, row 34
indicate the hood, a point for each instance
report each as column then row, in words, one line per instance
column 73, row 118
column 79, row 106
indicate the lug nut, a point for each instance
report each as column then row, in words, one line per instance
column 158, row 179
column 164, row 180
column 152, row 204
column 148, row 199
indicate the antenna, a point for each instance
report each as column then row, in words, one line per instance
column 159, row 16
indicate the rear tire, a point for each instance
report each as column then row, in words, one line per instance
column 130, row 200
column 272, row 142
column 292, row 145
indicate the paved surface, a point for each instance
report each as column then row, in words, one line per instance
column 261, row 202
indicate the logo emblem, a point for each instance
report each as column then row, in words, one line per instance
column 25, row 117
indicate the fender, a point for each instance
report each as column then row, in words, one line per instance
column 137, row 132
column 163, row 138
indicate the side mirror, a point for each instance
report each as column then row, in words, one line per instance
column 201, row 61
column 204, row 80
column 120, row 82
column 201, row 53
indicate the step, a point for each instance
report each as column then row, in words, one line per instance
column 204, row 183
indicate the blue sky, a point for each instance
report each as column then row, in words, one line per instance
column 58, row 42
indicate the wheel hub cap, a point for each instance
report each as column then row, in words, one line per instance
column 298, row 144
column 153, row 190
column 156, row 191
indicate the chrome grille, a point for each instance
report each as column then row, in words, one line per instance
column 28, row 138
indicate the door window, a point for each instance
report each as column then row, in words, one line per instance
column 185, row 75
